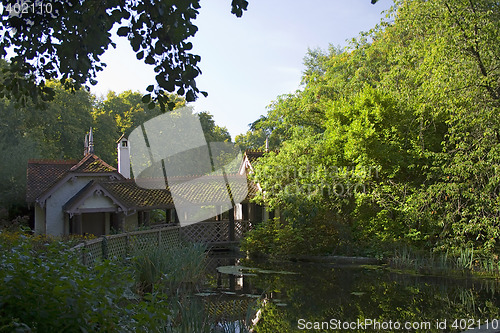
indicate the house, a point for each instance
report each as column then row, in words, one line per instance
column 92, row 197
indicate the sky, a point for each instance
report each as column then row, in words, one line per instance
column 248, row 62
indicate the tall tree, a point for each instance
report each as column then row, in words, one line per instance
column 65, row 39
column 415, row 99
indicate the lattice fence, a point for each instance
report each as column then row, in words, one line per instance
column 213, row 232
column 241, row 228
column 122, row 245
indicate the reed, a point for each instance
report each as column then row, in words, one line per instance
column 173, row 270
column 465, row 262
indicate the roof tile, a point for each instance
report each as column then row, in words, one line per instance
column 42, row 174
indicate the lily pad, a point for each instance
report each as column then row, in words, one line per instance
column 358, row 293
column 233, row 270
column 247, row 271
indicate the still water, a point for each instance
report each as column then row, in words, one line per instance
column 312, row 297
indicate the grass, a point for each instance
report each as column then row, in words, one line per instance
column 467, row 262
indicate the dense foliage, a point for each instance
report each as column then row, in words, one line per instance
column 65, row 40
column 45, row 288
column 57, row 129
column 397, row 137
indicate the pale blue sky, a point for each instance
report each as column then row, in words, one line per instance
column 247, row 62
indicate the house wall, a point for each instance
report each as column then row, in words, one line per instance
column 54, row 218
column 39, row 220
column 238, row 212
column 107, row 223
column 131, row 222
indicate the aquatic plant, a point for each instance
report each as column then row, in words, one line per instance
column 174, row 270
column 465, row 262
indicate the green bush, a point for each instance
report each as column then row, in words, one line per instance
column 274, row 238
column 47, row 289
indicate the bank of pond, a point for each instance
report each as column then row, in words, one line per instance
column 46, row 288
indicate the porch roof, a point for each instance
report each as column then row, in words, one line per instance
column 127, row 195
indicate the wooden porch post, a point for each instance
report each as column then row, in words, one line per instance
column 79, row 227
column 231, row 224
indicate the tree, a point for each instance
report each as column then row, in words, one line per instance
column 460, row 199
column 415, row 101
column 213, row 132
column 252, row 139
column 64, row 40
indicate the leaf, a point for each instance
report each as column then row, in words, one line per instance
column 123, row 31
column 150, row 88
column 190, row 96
column 149, row 60
column 146, row 98
column 140, row 55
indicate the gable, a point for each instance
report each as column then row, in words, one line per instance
column 45, row 176
column 92, row 164
column 93, row 198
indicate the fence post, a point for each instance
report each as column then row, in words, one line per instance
column 231, row 224
column 104, row 247
column 127, row 245
column 84, row 255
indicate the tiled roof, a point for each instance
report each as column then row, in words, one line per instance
column 127, row 194
column 133, row 196
column 253, row 155
column 42, row 174
column 92, row 163
column 209, row 191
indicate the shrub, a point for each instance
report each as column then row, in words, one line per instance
column 46, row 289
column 274, row 238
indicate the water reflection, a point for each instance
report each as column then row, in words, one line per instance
column 347, row 293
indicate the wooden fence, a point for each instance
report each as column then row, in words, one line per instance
column 211, row 233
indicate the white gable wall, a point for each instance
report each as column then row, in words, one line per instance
column 98, row 201
column 55, row 222
column 39, row 220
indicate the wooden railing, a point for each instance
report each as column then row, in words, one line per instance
column 215, row 232
column 211, row 233
column 123, row 245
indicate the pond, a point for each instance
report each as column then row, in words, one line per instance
column 330, row 297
